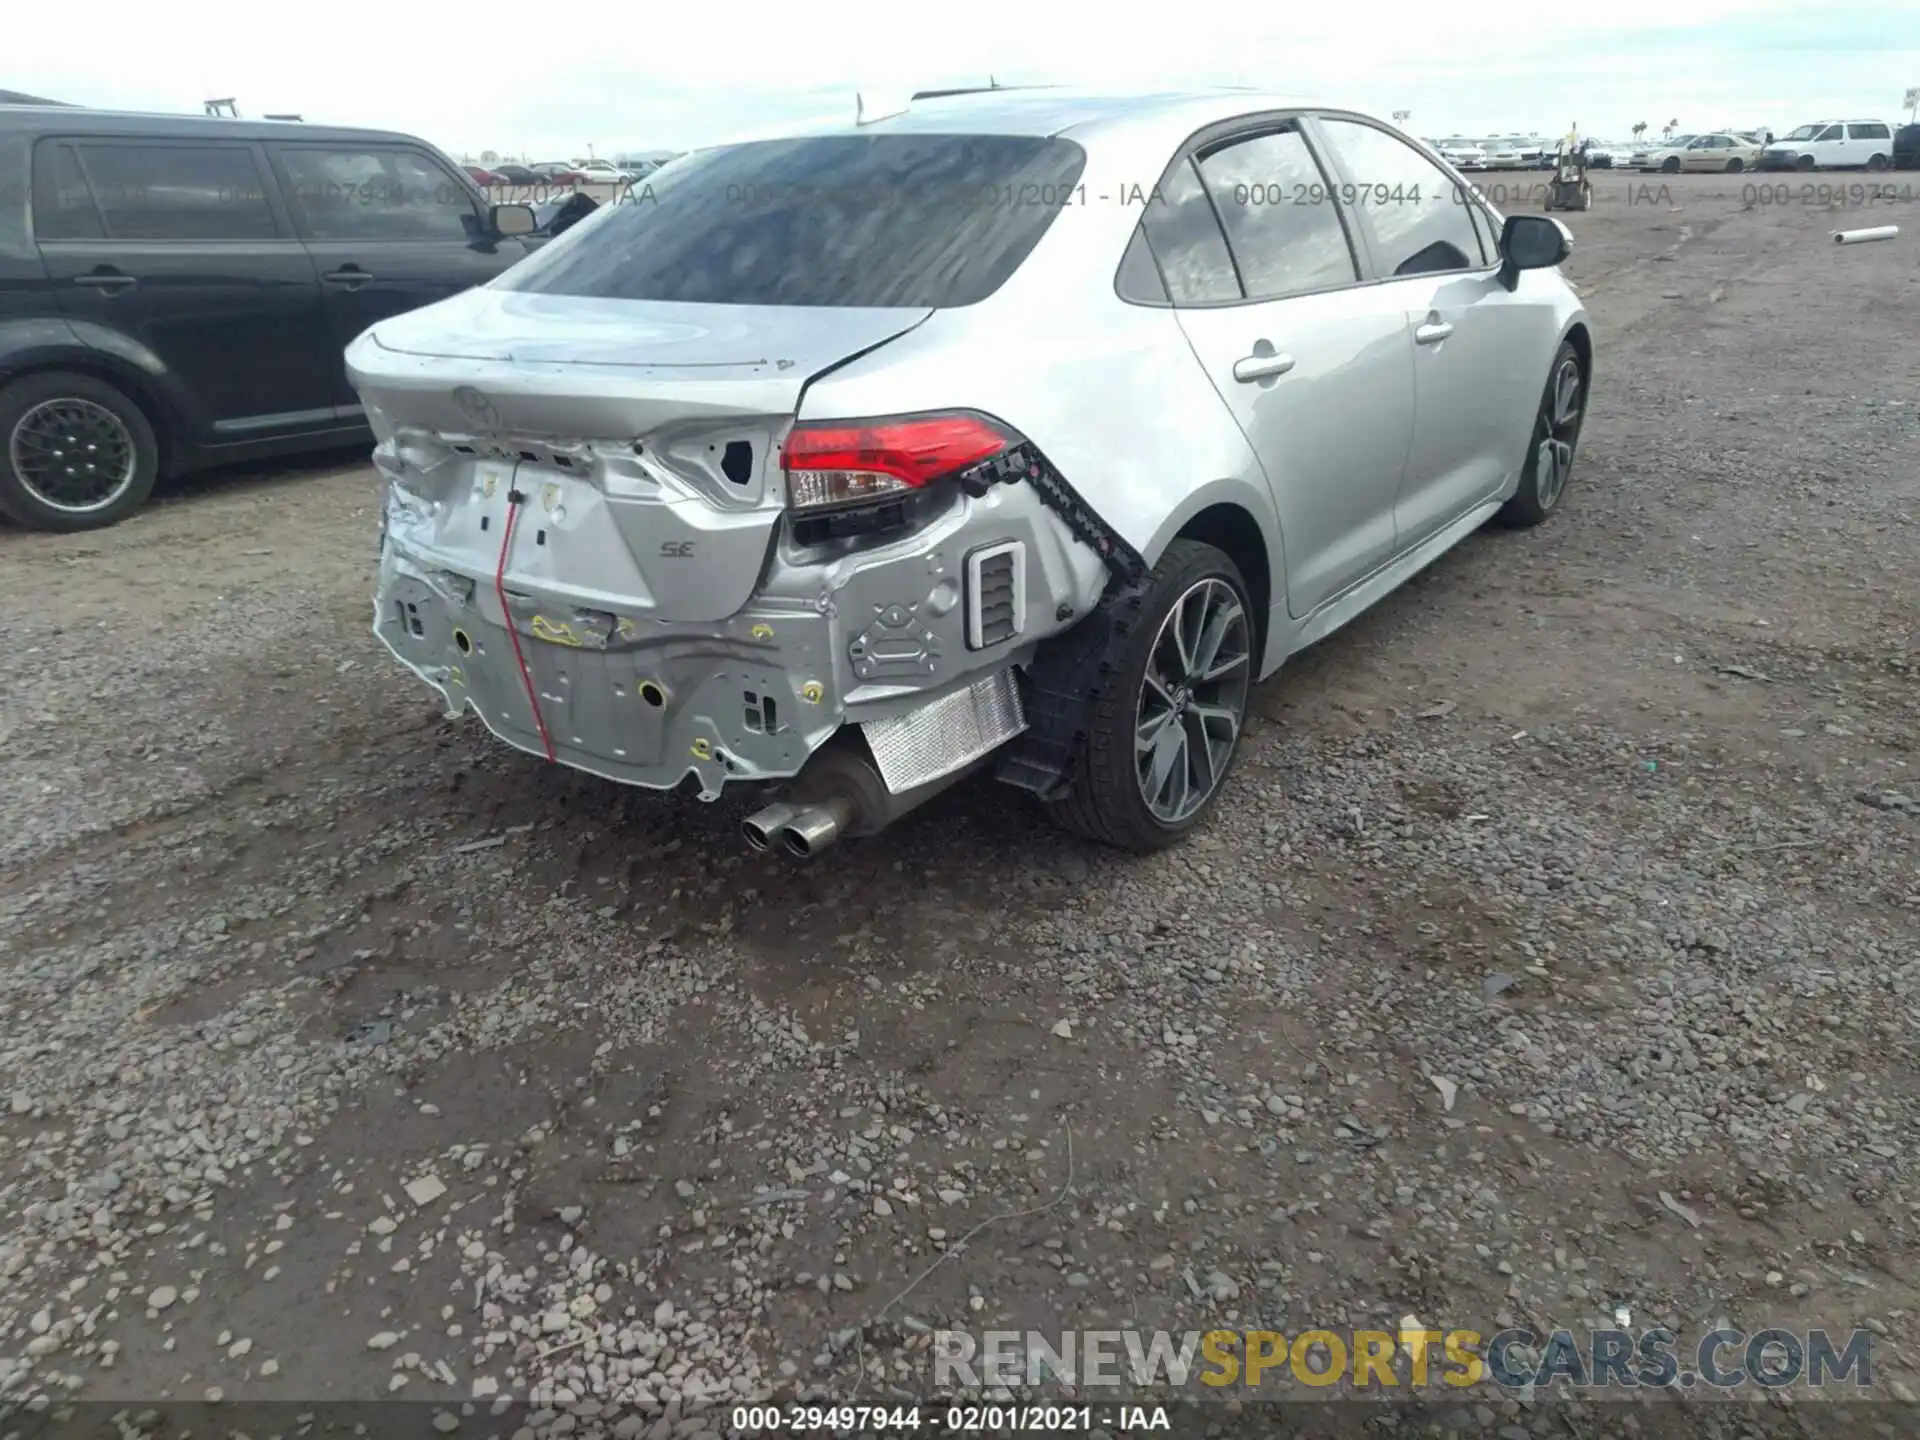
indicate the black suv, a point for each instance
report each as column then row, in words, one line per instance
column 1906, row 148
column 176, row 291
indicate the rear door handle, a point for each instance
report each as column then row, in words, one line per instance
column 1250, row 368
column 352, row 276
column 112, row 281
column 1432, row 333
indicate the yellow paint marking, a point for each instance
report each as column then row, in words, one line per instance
column 545, row 629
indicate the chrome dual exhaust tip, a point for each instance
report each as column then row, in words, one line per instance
column 803, row 830
column 814, row 827
column 762, row 828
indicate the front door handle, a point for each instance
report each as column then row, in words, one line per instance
column 1250, row 368
column 106, row 278
column 351, row 276
column 1432, row 333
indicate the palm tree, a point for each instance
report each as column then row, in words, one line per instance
column 1639, row 130
column 1672, row 125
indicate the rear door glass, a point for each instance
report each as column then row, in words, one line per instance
column 1278, row 210
column 833, row 220
column 169, row 192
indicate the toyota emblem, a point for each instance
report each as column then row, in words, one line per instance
column 477, row 407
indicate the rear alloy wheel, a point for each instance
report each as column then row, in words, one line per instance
column 1166, row 725
column 1736, row 165
column 1556, row 435
column 75, row 453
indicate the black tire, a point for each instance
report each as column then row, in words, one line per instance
column 1876, row 163
column 1670, row 166
column 1540, row 491
column 25, row 398
column 1803, row 162
column 1106, row 802
column 1736, row 165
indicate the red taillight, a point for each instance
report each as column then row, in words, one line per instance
column 839, row 463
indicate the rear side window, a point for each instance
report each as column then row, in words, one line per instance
column 152, row 192
column 832, row 220
column 377, row 195
column 1868, row 132
column 1416, row 211
column 1278, row 210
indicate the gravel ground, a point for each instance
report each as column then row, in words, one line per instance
column 1554, row 950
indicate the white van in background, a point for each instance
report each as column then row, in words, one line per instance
column 1832, row 145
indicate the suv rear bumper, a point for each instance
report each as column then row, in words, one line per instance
column 870, row 637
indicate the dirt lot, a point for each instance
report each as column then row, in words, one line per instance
column 1557, row 948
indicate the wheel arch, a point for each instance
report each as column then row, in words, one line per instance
column 1220, row 515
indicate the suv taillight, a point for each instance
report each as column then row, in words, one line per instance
column 839, row 463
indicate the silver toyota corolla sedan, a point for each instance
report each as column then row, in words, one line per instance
column 1020, row 430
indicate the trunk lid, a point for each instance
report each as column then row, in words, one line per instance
column 643, row 435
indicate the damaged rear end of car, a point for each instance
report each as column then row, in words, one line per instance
column 625, row 523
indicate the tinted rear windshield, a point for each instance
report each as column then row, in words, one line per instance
column 839, row 220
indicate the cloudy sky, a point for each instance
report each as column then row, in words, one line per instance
column 551, row 81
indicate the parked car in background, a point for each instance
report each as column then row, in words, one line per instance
column 600, row 172
column 557, row 172
column 1906, row 148
column 480, row 177
column 176, row 291
column 1832, row 145
column 1531, row 149
column 1061, row 558
column 1461, row 154
column 1643, row 153
column 1606, row 154
column 1720, row 152
column 509, row 174
column 1501, row 154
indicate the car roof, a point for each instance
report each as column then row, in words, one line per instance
column 76, row 120
column 1050, row 111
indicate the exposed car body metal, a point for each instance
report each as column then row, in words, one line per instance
column 586, row 532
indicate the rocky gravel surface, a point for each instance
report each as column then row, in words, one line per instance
column 1555, row 958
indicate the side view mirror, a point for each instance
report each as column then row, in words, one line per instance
column 1532, row 242
column 512, row 220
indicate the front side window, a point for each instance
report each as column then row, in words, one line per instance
column 166, row 192
column 934, row 220
column 374, row 194
column 1415, row 210
column 1832, row 132
column 1278, row 210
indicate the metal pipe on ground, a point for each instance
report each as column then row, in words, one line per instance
column 1861, row 237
